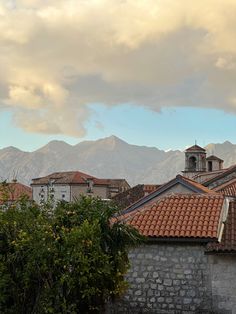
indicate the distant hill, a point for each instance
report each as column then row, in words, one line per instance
column 110, row 157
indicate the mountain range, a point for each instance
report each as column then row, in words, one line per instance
column 109, row 157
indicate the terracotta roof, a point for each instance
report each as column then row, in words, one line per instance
column 228, row 188
column 180, row 216
column 221, row 175
column 213, row 157
column 199, row 186
column 117, row 182
column 195, row 148
column 129, row 197
column 69, row 177
column 211, row 174
column 149, row 188
column 193, row 186
column 228, row 241
column 14, row 191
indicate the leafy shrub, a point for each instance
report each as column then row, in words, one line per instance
column 67, row 259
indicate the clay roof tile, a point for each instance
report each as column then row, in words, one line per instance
column 175, row 221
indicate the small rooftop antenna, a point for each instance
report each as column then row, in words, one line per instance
column 195, row 142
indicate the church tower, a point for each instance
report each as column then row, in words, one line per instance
column 195, row 161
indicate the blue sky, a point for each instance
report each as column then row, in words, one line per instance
column 174, row 61
column 172, row 128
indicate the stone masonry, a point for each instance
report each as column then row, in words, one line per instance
column 177, row 278
column 223, row 280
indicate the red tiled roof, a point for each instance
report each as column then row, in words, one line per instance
column 80, row 177
column 117, row 182
column 222, row 174
column 149, row 188
column 195, row 148
column 132, row 195
column 227, row 189
column 69, row 177
column 179, row 216
column 228, row 241
column 197, row 185
column 206, row 176
column 14, row 191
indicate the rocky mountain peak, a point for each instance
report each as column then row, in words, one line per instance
column 110, row 157
column 55, row 145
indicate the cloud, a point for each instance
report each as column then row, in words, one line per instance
column 57, row 57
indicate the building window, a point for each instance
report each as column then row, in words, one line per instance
column 192, row 163
column 209, row 165
column 89, row 185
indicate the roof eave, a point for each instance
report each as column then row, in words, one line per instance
column 221, row 175
column 181, row 239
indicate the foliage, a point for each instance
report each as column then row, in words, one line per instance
column 5, row 192
column 67, row 259
column 8, row 193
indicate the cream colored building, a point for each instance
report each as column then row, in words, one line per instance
column 67, row 186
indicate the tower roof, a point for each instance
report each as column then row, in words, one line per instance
column 213, row 157
column 195, row 148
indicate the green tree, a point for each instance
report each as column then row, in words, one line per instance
column 69, row 259
column 5, row 192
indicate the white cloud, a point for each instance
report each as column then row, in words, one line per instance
column 59, row 56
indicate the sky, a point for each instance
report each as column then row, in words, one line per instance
column 152, row 72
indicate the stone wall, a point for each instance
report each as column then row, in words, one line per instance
column 177, row 278
column 223, row 279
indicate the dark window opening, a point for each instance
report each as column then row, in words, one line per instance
column 192, row 163
column 89, row 185
column 209, row 165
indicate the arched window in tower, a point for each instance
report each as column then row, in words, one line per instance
column 192, row 163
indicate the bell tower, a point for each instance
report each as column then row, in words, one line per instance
column 195, row 161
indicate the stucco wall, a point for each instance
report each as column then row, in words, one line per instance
column 77, row 190
column 176, row 189
column 216, row 165
column 60, row 192
column 39, row 190
column 66, row 192
column 175, row 278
